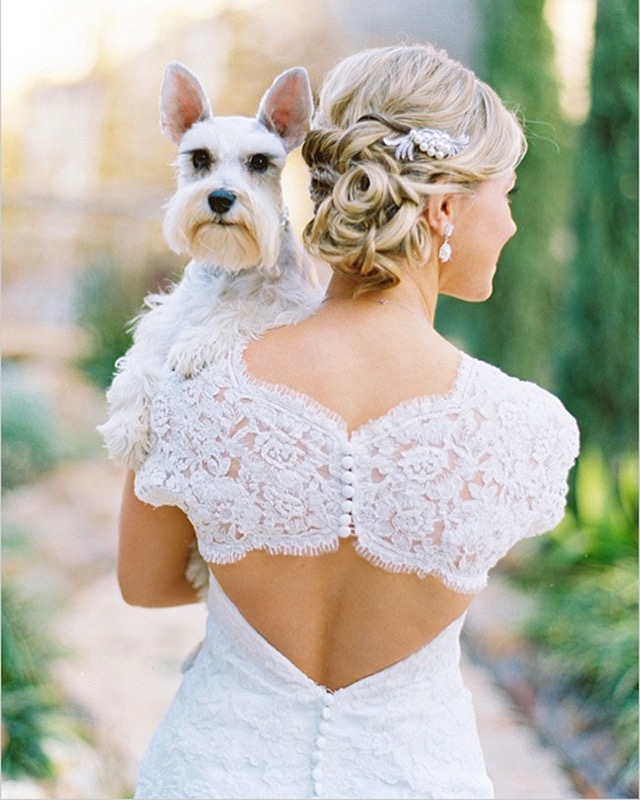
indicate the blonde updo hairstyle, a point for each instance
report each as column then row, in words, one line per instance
column 369, row 223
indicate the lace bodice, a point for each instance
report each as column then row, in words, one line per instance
column 440, row 485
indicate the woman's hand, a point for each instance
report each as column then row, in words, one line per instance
column 153, row 553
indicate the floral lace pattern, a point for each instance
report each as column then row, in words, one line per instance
column 437, row 485
column 440, row 485
column 247, row 723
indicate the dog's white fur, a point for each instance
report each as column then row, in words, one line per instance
column 247, row 273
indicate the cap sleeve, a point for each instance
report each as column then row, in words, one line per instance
column 549, row 448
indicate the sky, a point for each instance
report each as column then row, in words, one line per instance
column 61, row 40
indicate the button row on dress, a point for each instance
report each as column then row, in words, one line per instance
column 316, row 757
column 346, row 521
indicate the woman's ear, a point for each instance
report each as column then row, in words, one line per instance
column 439, row 213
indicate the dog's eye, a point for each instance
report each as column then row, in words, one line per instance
column 201, row 160
column 258, row 163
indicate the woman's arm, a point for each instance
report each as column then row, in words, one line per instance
column 153, row 553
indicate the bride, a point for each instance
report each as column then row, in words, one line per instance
column 352, row 479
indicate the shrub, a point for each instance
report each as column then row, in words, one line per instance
column 588, row 628
column 31, row 442
column 28, row 700
column 584, row 579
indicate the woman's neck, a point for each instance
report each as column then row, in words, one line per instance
column 415, row 292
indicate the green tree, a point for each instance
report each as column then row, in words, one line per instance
column 597, row 369
column 517, row 329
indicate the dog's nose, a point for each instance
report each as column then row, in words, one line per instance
column 221, row 200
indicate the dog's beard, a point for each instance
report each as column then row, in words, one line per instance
column 233, row 243
column 233, row 247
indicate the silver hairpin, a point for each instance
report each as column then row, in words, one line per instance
column 435, row 143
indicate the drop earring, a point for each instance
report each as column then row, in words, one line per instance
column 444, row 254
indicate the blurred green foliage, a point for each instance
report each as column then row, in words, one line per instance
column 584, row 578
column 106, row 301
column 108, row 298
column 31, row 446
column 28, row 701
column 598, row 366
column 31, row 442
column 587, row 627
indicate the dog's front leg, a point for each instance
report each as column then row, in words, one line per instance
column 204, row 334
column 127, row 430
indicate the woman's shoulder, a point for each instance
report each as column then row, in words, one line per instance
column 489, row 379
column 516, row 401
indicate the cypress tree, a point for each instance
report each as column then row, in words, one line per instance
column 597, row 369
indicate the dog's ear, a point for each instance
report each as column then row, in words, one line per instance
column 287, row 106
column 182, row 102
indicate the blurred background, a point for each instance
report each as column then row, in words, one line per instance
column 86, row 173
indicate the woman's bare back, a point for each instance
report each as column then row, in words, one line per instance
column 337, row 617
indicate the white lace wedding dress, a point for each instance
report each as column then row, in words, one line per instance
column 440, row 485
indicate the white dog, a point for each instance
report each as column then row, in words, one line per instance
column 248, row 273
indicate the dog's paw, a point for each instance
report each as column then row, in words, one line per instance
column 127, row 439
column 184, row 362
column 188, row 359
column 197, row 572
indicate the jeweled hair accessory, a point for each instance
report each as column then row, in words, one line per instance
column 435, row 143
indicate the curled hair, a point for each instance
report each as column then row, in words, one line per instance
column 369, row 221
